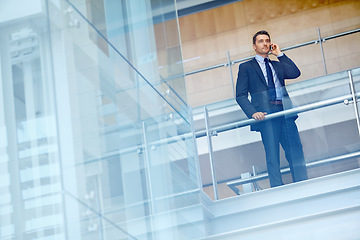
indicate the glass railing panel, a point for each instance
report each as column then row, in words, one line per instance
column 159, row 177
column 328, row 131
column 197, row 62
column 168, row 46
column 87, row 220
column 210, row 86
column 235, row 152
column 172, row 139
column 131, row 142
column 159, row 60
column 330, row 55
column 319, row 89
column 333, row 138
column 134, row 201
column 338, row 54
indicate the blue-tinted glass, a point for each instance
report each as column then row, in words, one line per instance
column 96, row 129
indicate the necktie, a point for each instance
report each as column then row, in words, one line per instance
column 270, row 79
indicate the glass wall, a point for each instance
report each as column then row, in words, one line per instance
column 145, row 33
column 93, row 103
column 31, row 200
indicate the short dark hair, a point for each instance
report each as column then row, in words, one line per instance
column 262, row 32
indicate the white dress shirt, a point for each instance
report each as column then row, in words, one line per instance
column 278, row 87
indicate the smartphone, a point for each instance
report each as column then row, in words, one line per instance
column 271, row 48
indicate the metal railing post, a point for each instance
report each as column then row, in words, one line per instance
column 196, row 157
column 231, row 74
column 147, row 168
column 212, row 166
column 353, row 93
column 322, row 50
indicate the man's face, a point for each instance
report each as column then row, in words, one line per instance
column 262, row 45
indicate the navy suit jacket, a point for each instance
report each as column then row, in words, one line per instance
column 251, row 80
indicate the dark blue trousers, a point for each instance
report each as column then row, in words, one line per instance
column 283, row 131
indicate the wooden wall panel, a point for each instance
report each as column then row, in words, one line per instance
column 206, row 37
column 341, row 11
column 166, row 34
column 229, row 17
column 187, row 28
column 159, row 36
column 205, row 24
column 261, row 11
column 172, row 35
column 213, row 21
column 348, row 54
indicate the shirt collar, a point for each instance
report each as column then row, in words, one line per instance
column 260, row 58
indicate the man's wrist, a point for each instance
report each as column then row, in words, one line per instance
column 280, row 55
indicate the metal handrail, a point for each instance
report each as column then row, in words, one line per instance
column 291, row 111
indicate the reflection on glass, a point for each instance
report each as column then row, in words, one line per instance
column 98, row 141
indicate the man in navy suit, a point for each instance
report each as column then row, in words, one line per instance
column 265, row 80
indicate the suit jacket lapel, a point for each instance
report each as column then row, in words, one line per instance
column 257, row 68
column 279, row 73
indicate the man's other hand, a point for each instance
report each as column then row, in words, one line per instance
column 259, row 115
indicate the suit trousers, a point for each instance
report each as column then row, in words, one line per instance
column 283, row 130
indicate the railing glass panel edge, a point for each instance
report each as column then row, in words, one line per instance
column 327, row 122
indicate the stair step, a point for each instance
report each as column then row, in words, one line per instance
column 336, row 224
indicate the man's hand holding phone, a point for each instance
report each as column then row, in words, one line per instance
column 275, row 49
